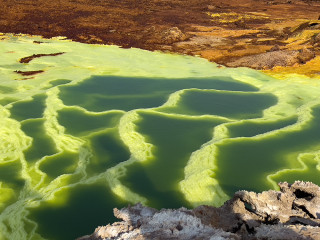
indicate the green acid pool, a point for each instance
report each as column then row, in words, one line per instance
column 101, row 127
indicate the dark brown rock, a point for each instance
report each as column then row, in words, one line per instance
column 28, row 73
column 30, row 58
column 272, row 59
column 172, row 35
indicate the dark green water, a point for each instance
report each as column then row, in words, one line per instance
column 86, row 139
column 265, row 155
column 174, row 139
column 29, row 109
column 226, row 104
column 85, row 207
column 121, row 93
column 42, row 144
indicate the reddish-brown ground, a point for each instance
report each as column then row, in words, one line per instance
column 221, row 31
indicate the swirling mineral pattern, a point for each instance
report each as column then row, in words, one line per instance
column 86, row 128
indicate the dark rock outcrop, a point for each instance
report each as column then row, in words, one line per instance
column 272, row 59
column 172, row 35
column 291, row 213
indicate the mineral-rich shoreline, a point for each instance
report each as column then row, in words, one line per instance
column 291, row 213
column 258, row 34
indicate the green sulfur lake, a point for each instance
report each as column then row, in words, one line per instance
column 102, row 127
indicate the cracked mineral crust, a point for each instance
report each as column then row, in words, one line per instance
column 291, row 213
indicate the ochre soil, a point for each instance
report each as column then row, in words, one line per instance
column 220, row 31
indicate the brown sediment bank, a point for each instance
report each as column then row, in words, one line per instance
column 251, row 33
column 291, row 213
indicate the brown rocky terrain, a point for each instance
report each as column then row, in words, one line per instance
column 261, row 34
column 291, row 213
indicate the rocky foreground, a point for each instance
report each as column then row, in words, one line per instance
column 291, row 213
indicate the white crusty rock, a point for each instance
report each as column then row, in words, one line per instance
column 291, row 213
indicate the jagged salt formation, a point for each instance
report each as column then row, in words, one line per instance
column 291, row 213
